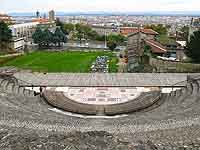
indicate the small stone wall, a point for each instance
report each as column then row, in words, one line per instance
column 59, row 100
column 172, row 66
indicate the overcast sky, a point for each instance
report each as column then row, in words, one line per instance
column 99, row 5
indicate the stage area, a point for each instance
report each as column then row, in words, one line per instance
column 102, row 95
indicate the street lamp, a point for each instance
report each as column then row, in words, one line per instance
column 105, row 39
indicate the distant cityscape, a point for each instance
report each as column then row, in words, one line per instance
column 86, row 79
column 176, row 21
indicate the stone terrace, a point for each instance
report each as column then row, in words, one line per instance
column 28, row 122
column 103, row 80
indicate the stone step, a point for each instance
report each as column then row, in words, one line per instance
column 195, row 88
column 10, row 87
column 21, row 90
column 16, row 89
column 26, row 92
column 178, row 93
column 4, row 84
column 189, row 87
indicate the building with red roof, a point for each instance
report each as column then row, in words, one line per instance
column 134, row 30
column 156, row 47
column 7, row 19
column 40, row 20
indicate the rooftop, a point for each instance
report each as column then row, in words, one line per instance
column 156, row 47
column 134, row 30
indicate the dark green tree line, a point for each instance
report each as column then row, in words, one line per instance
column 5, row 36
column 193, row 47
column 45, row 38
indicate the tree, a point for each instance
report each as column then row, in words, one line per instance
column 115, row 40
column 5, row 35
column 85, row 32
column 147, row 50
column 38, row 36
column 161, row 29
column 112, row 45
column 184, row 33
column 47, row 37
column 60, row 24
column 79, row 32
column 59, row 37
column 193, row 47
column 68, row 28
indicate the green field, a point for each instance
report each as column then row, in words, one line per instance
column 74, row 62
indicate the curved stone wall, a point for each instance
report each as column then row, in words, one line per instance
column 59, row 100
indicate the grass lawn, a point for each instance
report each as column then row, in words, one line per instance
column 59, row 61
column 4, row 60
column 113, row 67
column 165, row 40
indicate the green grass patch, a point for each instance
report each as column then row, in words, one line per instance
column 113, row 67
column 165, row 40
column 4, row 60
column 74, row 62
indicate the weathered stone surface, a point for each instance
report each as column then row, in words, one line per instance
column 95, row 79
column 26, row 122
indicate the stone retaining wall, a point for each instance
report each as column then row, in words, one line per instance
column 59, row 100
column 172, row 66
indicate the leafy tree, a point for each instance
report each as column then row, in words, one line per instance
column 100, row 37
column 184, row 33
column 85, row 32
column 5, row 36
column 161, row 29
column 112, row 45
column 68, row 28
column 193, row 47
column 115, row 40
column 59, row 37
column 147, row 50
column 38, row 36
column 93, row 34
column 47, row 37
column 60, row 24
column 79, row 32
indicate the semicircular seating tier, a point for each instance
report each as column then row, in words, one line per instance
column 171, row 122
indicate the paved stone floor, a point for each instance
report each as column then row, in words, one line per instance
column 102, row 95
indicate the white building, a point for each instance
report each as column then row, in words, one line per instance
column 17, row 44
column 106, row 30
column 24, row 30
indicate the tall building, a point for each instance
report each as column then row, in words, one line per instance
column 52, row 16
column 38, row 14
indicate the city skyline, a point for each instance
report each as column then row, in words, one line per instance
column 7, row 6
